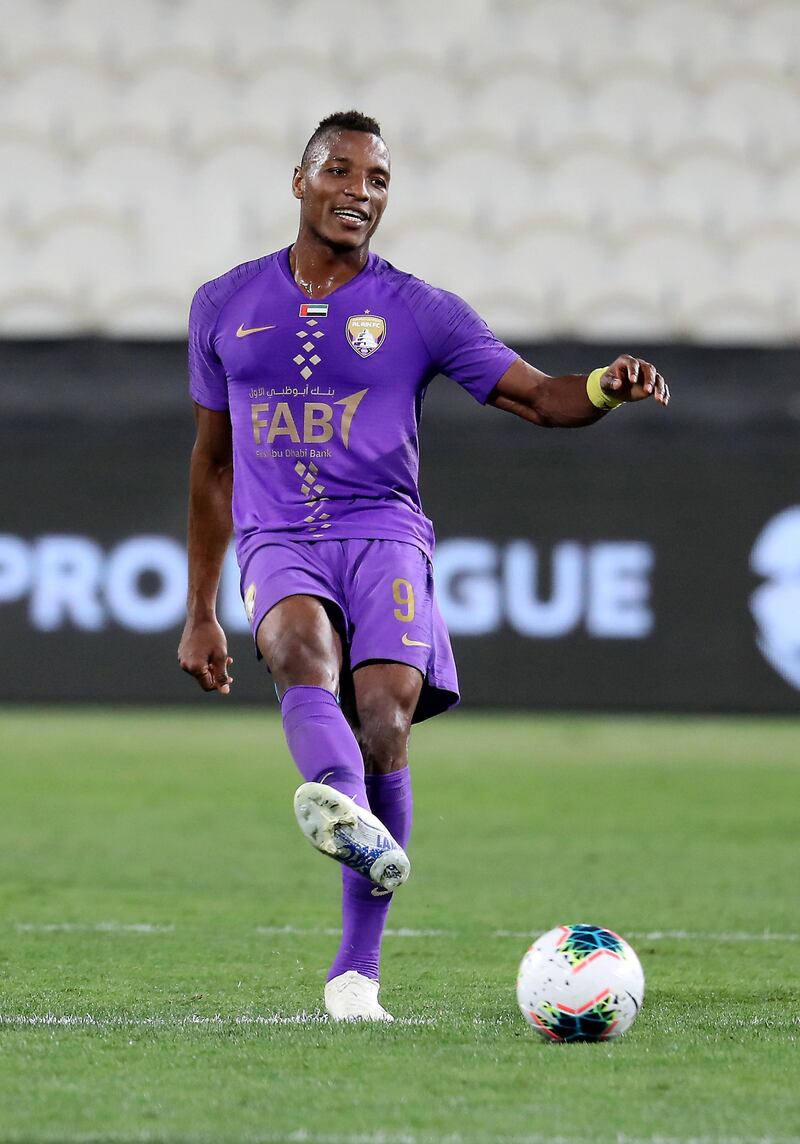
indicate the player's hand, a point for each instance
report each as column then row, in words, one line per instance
column 633, row 379
column 203, row 653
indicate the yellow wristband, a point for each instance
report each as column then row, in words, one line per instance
column 596, row 394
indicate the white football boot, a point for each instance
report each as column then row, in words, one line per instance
column 337, row 826
column 353, row 997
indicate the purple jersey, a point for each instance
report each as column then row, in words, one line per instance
column 325, row 396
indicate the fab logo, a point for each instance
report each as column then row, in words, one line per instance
column 313, row 424
column 366, row 333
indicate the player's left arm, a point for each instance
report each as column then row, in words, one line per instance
column 572, row 400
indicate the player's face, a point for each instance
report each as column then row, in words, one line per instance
column 344, row 188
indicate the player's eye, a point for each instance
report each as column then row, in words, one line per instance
column 380, row 183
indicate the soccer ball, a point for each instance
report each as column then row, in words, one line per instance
column 580, row 983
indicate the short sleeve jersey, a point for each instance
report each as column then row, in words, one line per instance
column 325, row 396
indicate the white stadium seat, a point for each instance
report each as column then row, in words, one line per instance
column 618, row 314
column 64, row 102
column 231, row 35
column 767, row 263
column 280, row 101
column 645, row 112
column 35, row 178
column 144, row 310
column 556, row 268
column 26, row 35
column 712, row 188
column 260, row 196
column 123, row 37
column 509, row 316
column 449, row 258
column 130, row 172
column 773, row 36
column 479, row 186
column 668, row 266
column 188, row 101
column 784, row 193
column 416, row 107
column 733, row 318
column 37, row 311
column 77, row 257
column 758, row 118
column 599, row 186
column 683, row 36
column 531, row 111
column 570, row 36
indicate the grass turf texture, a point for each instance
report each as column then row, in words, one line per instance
column 182, row 823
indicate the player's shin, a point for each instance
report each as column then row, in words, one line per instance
column 364, row 914
column 321, row 742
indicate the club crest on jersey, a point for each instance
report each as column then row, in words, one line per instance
column 365, row 333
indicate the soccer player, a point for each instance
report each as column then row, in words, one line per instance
column 308, row 369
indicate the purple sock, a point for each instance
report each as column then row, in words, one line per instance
column 363, row 917
column 321, row 742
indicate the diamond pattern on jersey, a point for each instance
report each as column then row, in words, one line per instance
column 308, row 363
column 318, row 520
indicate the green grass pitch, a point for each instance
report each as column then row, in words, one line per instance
column 165, row 931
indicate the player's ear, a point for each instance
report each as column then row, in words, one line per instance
column 297, row 182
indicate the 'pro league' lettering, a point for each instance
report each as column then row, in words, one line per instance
column 278, row 420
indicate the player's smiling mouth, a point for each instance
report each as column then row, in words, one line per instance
column 352, row 215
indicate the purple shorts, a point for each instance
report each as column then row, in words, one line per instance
column 384, row 597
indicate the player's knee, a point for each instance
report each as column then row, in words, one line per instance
column 300, row 647
column 296, row 663
column 383, row 737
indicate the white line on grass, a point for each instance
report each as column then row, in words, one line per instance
column 91, row 927
column 87, row 1020
column 335, row 932
column 522, row 935
column 403, row 932
column 674, row 935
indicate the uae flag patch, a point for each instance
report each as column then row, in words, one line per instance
column 314, row 310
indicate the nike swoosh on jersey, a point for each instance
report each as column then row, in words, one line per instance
column 242, row 332
column 413, row 643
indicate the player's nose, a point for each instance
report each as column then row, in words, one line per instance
column 358, row 189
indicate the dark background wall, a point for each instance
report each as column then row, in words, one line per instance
column 652, row 561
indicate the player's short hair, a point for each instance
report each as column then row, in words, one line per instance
column 341, row 121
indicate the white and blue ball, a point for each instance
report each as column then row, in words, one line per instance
column 580, row 983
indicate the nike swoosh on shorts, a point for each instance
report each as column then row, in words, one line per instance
column 413, row 643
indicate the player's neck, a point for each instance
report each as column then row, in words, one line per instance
column 319, row 269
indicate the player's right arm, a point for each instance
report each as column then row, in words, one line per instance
column 203, row 650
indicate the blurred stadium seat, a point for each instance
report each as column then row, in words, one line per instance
column 188, row 100
column 529, row 109
column 767, row 264
column 443, row 255
column 684, row 37
column 34, row 177
column 712, row 190
column 670, row 267
column 644, row 111
column 756, row 115
column 734, row 318
column 619, row 313
column 33, row 311
column 63, row 102
column 773, row 36
column 504, row 119
column 555, row 267
column 619, row 195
